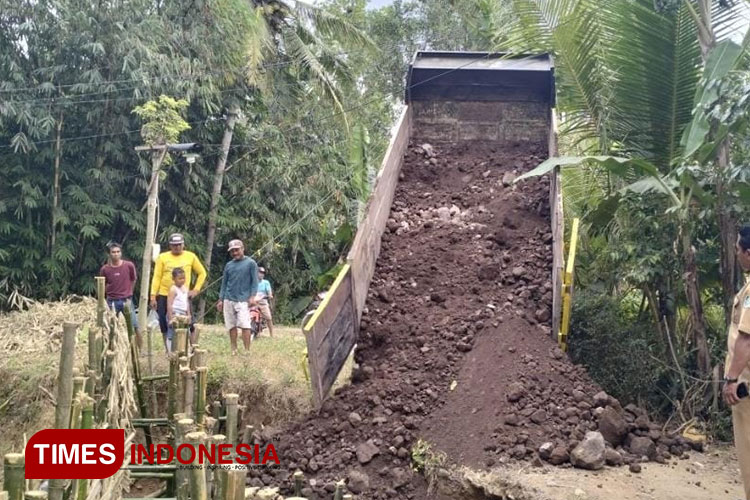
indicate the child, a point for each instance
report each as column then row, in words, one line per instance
column 178, row 304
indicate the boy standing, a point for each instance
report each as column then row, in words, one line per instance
column 178, row 304
column 264, row 297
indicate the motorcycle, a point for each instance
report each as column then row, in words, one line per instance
column 257, row 322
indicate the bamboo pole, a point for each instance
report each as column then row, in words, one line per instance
column 348, row 496
column 90, row 385
column 199, row 358
column 174, row 372
column 36, row 495
column 299, row 481
column 101, row 302
column 91, row 336
column 64, row 395
column 75, row 412
column 230, row 401
column 210, row 424
column 179, row 342
column 185, row 426
column 87, row 422
column 181, row 388
column 13, row 475
column 201, row 381
column 339, row 493
column 247, row 434
column 4, row 495
column 197, row 472
column 233, row 484
column 188, row 391
column 213, row 478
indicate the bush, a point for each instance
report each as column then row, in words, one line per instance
column 618, row 350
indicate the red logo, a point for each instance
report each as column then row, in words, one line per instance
column 75, row 453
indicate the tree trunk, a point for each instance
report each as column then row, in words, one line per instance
column 727, row 233
column 153, row 193
column 213, row 209
column 55, row 186
column 693, row 296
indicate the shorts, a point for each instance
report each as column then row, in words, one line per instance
column 265, row 311
column 236, row 315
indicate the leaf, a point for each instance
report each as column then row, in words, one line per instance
column 615, row 164
column 719, row 62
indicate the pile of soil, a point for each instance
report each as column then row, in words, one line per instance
column 455, row 345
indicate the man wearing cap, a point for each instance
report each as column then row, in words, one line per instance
column 239, row 284
column 177, row 256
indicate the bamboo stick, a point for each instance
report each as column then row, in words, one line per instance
column 199, row 358
column 201, row 382
column 216, row 409
column 197, row 472
column 75, row 412
column 179, row 344
column 90, row 385
column 87, row 422
column 247, row 434
column 4, row 495
column 230, row 401
column 210, row 424
column 348, row 496
column 64, row 394
column 91, row 336
column 339, row 493
column 188, row 391
column 13, row 475
column 36, row 495
column 299, row 481
column 185, row 426
column 101, row 302
column 174, row 372
column 213, row 478
column 233, row 484
column 181, row 388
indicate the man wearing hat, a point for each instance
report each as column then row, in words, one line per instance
column 176, row 257
column 239, row 284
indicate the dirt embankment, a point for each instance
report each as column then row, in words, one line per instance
column 455, row 347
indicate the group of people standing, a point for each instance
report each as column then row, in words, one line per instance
column 179, row 276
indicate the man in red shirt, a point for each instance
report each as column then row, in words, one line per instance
column 119, row 277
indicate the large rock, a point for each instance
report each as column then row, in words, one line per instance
column 589, row 454
column 358, row 481
column 612, row 457
column 642, row 446
column 366, row 451
column 613, row 426
column 559, row 456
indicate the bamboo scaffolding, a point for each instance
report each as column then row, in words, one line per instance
column 13, row 475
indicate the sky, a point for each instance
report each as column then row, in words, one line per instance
column 375, row 4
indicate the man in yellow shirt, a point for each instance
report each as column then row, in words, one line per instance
column 738, row 362
column 162, row 280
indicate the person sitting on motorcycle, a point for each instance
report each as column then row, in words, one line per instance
column 263, row 298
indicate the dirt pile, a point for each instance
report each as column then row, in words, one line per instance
column 455, row 345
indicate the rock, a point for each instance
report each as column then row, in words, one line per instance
column 383, row 295
column 612, row 457
column 518, row 271
column 539, row 416
column 463, row 346
column 508, row 178
column 437, row 298
column 358, row 481
column 601, row 399
column 559, row 455
column 354, row 418
column 366, row 451
column 444, row 213
column 578, row 395
column 429, row 151
column 613, row 426
column 400, row 477
column 545, row 451
column 589, row 454
column 515, row 392
column 642, row 446
column 635, row 468
column 542, row 315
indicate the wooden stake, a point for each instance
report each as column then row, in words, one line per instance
column 13, row 475
column 188, row 391
column 184, row 427
column 201, row 381
column 101, row 301
column 230, row 401
column 64, row 395
column 197, row 472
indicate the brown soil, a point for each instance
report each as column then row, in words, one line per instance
column 462, row 293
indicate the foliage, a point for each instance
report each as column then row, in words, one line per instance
column 163, row 122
